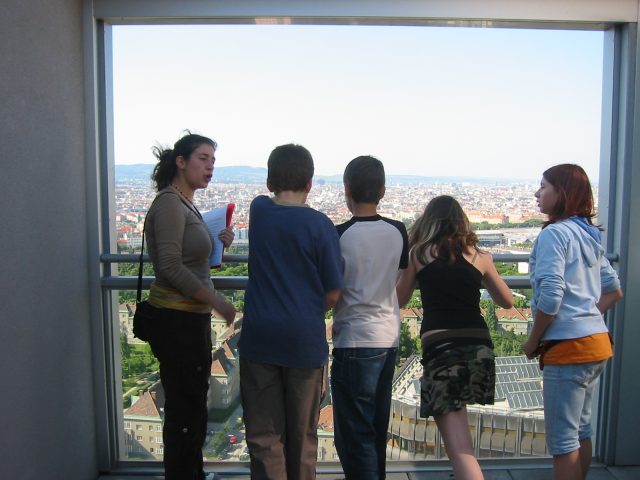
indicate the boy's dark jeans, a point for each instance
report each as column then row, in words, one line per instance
column 181, row 341
column 361, row 388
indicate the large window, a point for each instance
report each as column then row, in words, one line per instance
column 475, row 113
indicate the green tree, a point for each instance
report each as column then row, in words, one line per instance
column 508, row 344
column 521, row 302
column 125, row 348
column 490, row 315
column 408, row 344
column 231, row 270
column 131, row 270
column 533, row 222
column 509, row 269
column 415, row 301
column 239, row 305
column 501, row 226
column 136, row 360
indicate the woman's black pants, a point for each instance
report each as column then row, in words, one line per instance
column 181, row 341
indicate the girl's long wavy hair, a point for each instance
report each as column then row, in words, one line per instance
column 443, row 230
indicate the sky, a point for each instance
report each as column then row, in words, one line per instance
column 432, row 101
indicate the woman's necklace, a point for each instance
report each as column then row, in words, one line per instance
column 182, row 193
column 187, row 199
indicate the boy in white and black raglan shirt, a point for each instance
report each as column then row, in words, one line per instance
column 366, row 323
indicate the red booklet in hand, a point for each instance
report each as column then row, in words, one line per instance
column 216, row 220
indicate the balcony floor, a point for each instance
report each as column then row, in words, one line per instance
column 597, row 472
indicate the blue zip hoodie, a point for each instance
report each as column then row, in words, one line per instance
column 569, row 272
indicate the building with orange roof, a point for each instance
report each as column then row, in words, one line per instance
column 326, row 447
column 143, row 425
column 516, row 320
column 224, row 385
column 412, row 317
column 491, row 219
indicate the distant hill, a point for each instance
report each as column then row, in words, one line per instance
column 240, row 175
column 138, row 171
column 258, row 175
column 142, row 172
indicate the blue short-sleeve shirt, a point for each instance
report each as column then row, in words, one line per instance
column 294, row 259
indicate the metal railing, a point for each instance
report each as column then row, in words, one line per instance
column 118, row 282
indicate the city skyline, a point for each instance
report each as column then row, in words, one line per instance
column 485, row 103
column 251, row 175
column 498, row 203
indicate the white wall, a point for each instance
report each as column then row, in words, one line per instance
column 46, row 400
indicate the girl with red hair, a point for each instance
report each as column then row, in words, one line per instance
column 573, row 285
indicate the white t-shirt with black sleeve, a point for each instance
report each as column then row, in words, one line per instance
column 367, row 315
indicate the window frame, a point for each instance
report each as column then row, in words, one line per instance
column 619, row 145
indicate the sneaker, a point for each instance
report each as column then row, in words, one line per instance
column 209, row 476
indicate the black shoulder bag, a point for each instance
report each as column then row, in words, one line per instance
column 145, row 313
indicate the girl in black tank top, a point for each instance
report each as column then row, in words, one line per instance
column 450, row 295
column 458, row 359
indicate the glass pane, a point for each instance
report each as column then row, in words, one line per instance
column 473, row 113
column 509, row 428
column 141, row 400
column 143, row 396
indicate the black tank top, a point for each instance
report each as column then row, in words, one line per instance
column 450, row 295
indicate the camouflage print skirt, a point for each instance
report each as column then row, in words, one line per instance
column 455, row 376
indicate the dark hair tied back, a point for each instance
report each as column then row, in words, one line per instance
column 166, row 170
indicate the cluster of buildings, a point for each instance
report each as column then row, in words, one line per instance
column 516, row 320
column 409, row 435
column 490, row 203
column 143, row 419
column 514, row 426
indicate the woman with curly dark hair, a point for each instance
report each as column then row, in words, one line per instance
column 183, row 296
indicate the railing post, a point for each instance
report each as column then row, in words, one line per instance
column 478, row 435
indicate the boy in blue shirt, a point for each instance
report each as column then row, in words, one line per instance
column 294, row 277
column 366, row 323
